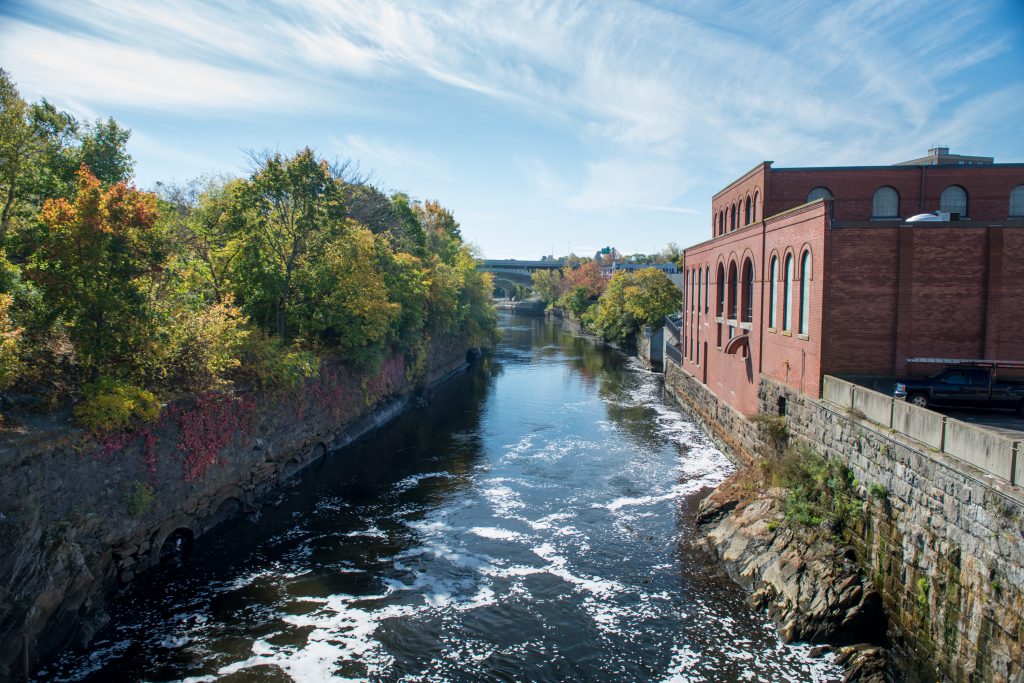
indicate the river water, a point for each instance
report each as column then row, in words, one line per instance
column 532, row 524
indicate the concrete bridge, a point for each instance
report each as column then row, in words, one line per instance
column 510, row 272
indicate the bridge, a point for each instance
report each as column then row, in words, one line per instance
column 510, row 272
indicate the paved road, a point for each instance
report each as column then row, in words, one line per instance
column 1005, row 423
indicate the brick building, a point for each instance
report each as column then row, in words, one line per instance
column 858, row 280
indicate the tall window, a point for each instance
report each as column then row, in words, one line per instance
column 707, row 288
column 787, row 294
column 733, row 278
column 748, row 291
column 954, row 200
column 746, row 213
column 686, row 289
column 693, row 286
column 885, row 203
column 753, row 210
column 732, row 217
column 699, row 283
column 774, row 287
column 1017, row 202
column 805, row 292
column 721, row 291
column 819, row 193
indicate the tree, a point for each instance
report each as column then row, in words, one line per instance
column 289, row 207
column 93, row 265
column 631, row 301
column 17, row 144
column 104, row 150
column 546, row 284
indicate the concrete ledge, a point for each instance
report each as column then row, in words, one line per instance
column 922, row 424
column 837, row 391
column 875, row 406
column 981, row 448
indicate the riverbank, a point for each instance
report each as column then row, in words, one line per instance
column 940, row 542
column 81, row 517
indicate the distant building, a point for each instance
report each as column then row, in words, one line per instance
column 834, row 270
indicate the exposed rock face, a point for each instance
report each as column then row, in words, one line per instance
column 809, row 586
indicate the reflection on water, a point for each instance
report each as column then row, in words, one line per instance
column 533, row 523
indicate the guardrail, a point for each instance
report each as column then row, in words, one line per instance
column 674, row 354
column 998, row 455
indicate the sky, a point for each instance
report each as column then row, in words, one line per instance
column 546, row 127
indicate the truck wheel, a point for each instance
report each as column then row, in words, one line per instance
column 919, row 400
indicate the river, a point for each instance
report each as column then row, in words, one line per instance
column 533, row 523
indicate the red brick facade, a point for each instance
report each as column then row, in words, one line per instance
column 877, row 289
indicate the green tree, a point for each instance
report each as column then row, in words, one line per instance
column 546, row 284
column 632, row 300
column 289, row 207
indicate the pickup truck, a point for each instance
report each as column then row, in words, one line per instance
column 964, row 387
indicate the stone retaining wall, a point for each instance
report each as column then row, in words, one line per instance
column 80, row 518
column 941, row 539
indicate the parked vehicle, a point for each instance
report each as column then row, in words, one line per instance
column 964, row 387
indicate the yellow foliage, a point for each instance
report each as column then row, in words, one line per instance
column 110, row 405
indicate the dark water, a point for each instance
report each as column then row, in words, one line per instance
column 531, row 524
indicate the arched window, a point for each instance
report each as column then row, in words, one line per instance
column 787, row 294
column 746, row 213
column 721, row 291
column 885, row 203
column 747, row 306
column 707, row 288
column 1017, row 202
column 696, row 303
column 732, row 217
column 686, row 289
column 805, row 292
column 954, row 200
column 693, row 286
column 773, row 289
column 819, row 193
column 753, row 211
column 733, row 281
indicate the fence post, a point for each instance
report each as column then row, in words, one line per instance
column 942, row 439
column 1015, row 453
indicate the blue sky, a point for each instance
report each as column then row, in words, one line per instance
column 543, row 125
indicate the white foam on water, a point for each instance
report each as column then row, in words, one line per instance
column 413, row 480
column 498, row 534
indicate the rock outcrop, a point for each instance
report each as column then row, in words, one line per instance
column 810, row 586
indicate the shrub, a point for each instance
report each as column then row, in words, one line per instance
column 110, row 405
column 203, row 347
column 274, row 366
column 878, row 491
column 772, row 430
column 138, row 498
column 11, row 366
column 821, row 492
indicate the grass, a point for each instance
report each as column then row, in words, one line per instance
column 821, row 493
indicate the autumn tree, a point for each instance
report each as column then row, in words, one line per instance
column 93, row 266
column 631, row 301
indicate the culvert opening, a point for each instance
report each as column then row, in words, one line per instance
column 177, row 547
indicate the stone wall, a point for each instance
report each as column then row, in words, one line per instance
column 80, row 517
column 737, row 435
column 943, row 542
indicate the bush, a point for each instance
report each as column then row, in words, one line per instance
column 821, row 492
column 274, row 366
column 11, row 366
column 203, row 347
column 110, row 406
column 138, row 498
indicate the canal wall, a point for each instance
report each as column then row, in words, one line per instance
column 941, row 540
column 81, row 516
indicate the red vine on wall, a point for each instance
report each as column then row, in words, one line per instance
column 210, row 426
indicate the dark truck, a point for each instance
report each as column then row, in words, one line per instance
column 971, row 386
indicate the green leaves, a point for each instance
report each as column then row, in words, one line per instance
column 633, row 300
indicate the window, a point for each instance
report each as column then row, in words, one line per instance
column 773, row 289
column 1017, row 201
column 721, row 222
column 721, row 291
column 805, row 292
column 954, row 200
column 787, row 293
column 885, row 203
column 686, row 288
column 748, row 291
column 707, row 288
column 753, row 209
column 699, row 283
column 746, row 213
column 732, row 218
column 733, row 278
column 819, row 193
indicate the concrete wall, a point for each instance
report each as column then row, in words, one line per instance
column 943, row 542
column 993, row 454
column 72, row 526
